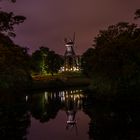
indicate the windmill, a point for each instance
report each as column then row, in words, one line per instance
column 70, row 44
column 70, row 57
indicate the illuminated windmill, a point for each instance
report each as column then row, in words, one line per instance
column 70, row 59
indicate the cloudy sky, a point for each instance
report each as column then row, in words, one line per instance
column 50, row 21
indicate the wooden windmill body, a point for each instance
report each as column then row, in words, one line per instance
column 70, row 58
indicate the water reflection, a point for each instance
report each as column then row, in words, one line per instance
column 68, row 114
column 14, row 118
column 65, row 107
column 72, row 103
column 114, row 122
column 45, row 106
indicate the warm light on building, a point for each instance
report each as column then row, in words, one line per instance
column 71, row 60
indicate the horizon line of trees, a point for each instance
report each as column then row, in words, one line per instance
column 113, row 63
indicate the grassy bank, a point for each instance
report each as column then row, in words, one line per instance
column 63, row 80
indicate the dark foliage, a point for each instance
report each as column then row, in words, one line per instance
column 114, row 63
column 14, row 60
column 14, row 65
column 137, row 14
column 46, row 61
column 7, row 22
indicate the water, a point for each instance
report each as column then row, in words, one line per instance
column 58, row 116
column 66, row 115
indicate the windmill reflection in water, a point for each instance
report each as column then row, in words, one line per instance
column 70, row 101
column 73, row 102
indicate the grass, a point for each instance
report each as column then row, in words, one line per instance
column 61, row 80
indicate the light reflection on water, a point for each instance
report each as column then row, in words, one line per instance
column 55, row 129
column 68, row 120
column 66, row 115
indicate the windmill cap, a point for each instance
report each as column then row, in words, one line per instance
column 70, row 43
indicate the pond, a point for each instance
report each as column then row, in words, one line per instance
column 65, row 115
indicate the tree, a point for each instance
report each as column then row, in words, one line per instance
column 87, row 61
column 137, row 14
column 14, row 60
column 53, row 62
column 46, row 61
column 7, row 22
column 38, row 60
column 14, row 65
column 116, row 58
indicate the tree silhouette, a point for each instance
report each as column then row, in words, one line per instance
column 137, row 14
column 115, row 60
column 8, row 21
column 46, row 61
column 14, row 60
column 87, row 61
column 53, row 62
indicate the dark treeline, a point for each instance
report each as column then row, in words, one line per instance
column 14, row 68
column 16, row 65
column 113, row 62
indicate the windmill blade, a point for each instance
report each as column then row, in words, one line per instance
column 73, row 38
column 69, row 39
column 65, row 40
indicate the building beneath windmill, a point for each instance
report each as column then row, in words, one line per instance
column 71, row 60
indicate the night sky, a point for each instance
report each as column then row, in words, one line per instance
column 50, row 21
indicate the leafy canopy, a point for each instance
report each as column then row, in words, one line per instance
column 8, row 21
